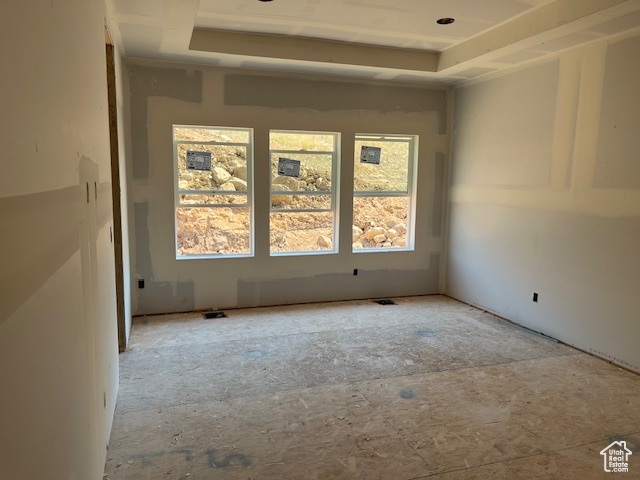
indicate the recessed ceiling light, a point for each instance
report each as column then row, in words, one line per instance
column 265, row 0
column 446, row 21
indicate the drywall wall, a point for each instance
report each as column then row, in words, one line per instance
column 618, row 145
column 570, row 233
column 124, row 198
column 166, row 94
column 525, row 143
column 122, row 106
column 58, row 343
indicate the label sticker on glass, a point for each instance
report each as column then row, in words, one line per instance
column 198, row 160
column 288, row 167
column 370, row 155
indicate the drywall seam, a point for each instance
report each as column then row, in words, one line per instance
column 157, row 296
column 321, row 95
column 448, row 176
column 437, row 207
column 40, row 235
column 145, row 82
column 337, row 286
column 143, row 255
column 104, row 210
column 607, row 203
column 565, row 119
column 588, row 118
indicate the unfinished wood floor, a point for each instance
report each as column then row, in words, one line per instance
column 429, row 387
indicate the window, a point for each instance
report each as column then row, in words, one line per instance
column 213, row 191
column 383, row 192
column 303, row 191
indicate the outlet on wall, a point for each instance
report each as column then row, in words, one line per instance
column 535, row 297
column 141, row 283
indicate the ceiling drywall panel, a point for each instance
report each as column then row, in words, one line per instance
column 486, row 34
column 520, row 56
column 475, row 72
column 620, row 24
column 568, row 41
column 548, row 20
column 389, row 22
column 140, row 38
column 143, row 8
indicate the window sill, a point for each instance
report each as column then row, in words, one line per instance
column 303, row 253
column 382, row 250
column 211, row 256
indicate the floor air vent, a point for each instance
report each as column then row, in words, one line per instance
column 386, row 301
column 214, row 315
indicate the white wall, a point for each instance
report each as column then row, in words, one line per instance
column 545, row 197
column 165, row 94
column 58, row 343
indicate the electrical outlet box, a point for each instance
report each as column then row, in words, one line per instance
column 535, row 297
column 141, row 283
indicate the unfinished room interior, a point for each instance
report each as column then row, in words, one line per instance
column 320, row 239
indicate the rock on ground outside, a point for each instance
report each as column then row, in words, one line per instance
column 373, row 232
column 220, row 175
column 241, row 172
column 356, row 233
column 324, row 241
column 289, row 182
column 238, row 183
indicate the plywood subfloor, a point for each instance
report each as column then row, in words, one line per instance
column 429, row 387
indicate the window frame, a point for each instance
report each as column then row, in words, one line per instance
column 334, row 193
column 249, row 192
column 409, row 193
